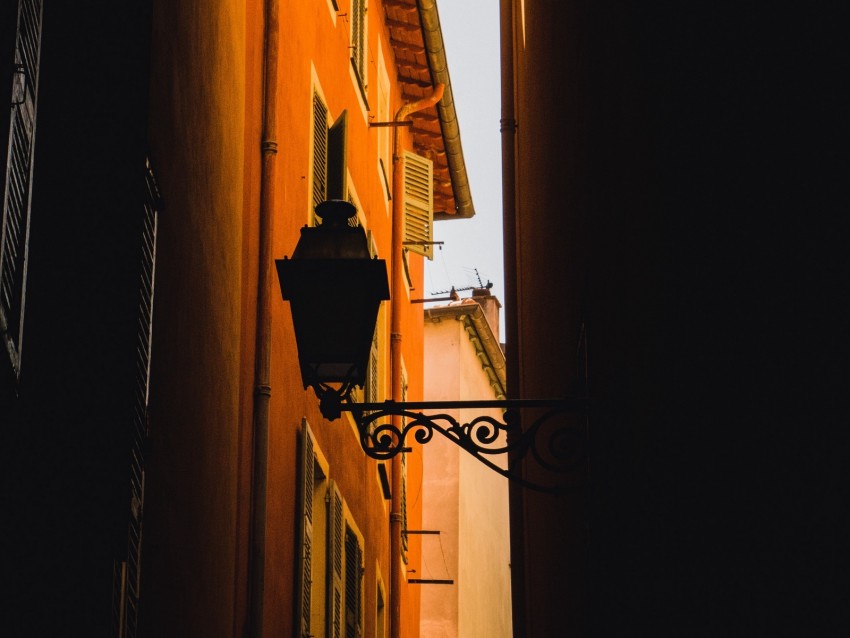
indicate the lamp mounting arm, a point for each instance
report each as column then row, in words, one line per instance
column 553, row 437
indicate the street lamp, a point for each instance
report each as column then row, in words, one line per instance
column 335, row 289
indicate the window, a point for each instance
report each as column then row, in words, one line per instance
column 127, row 575
column 353, row 585
column 358, row 42
column 418, row 204
column 371, row 390
column 329, row 596
column 404, row 540
column 383, row 115
column 320, row 150
column 380, row 613
column 20, row 44
column 307, row 490
column 329, row 154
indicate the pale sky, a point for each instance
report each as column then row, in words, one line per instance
column 471, row 36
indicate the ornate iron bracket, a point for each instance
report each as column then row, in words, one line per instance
column 551, row 439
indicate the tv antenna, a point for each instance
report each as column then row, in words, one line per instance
column 453, row 291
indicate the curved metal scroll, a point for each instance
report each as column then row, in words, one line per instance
column 557, row 445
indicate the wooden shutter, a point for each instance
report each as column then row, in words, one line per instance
column 358, row 39
column 320, row 150
column 305, row 555
column 17, row 176
column 404, row 540
column 372, row 372
column 418, row 204
column 337, row 149
column 127, row 575
column 335, row 598
column 353, row 585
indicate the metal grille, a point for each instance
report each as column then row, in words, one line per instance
column 126, row 611
column 17, row 182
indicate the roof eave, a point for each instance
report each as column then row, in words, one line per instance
column 433, row 38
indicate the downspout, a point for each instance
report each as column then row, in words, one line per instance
column 262, row 381
column 397, row 294
column 508, row 130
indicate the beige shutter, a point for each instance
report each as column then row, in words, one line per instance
column 305, row 556
column 418, row 204
column 335, row 598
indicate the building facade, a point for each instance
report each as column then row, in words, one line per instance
column 465, row 503
column 164, row 468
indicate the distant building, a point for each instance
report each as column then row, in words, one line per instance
column 462, row 499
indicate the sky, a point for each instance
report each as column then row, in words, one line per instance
column 471, row 37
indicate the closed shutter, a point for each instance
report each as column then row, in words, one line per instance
column 358, row 40
column 353, row 585
column 335, row 572
column 126, row 591
column 404, row 541
column 320, row 150
column 17, row 178
column 372, row 372
column 418, row 204
column 305, row 555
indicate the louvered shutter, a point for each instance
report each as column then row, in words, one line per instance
column 358, row 39
column 418, row 204
column 305, row 555
column 335, row 598
column 353, row 585
column 372, row 372
column 17, row 177
column 320, row 150
column 337, row 149
column 404, row 540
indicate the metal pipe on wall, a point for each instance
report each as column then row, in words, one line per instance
column 508, row 130
column 262, row 387
column 396, row 295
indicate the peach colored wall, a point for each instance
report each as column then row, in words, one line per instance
column 466, row 501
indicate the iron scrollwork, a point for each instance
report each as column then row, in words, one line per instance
column 551, row 438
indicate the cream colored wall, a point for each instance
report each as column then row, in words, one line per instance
column 466, row 501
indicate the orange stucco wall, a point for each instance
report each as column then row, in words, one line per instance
column 205, row 133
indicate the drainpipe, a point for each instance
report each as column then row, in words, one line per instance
column 397, row 294
column 508, row 130
column 262, row 387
